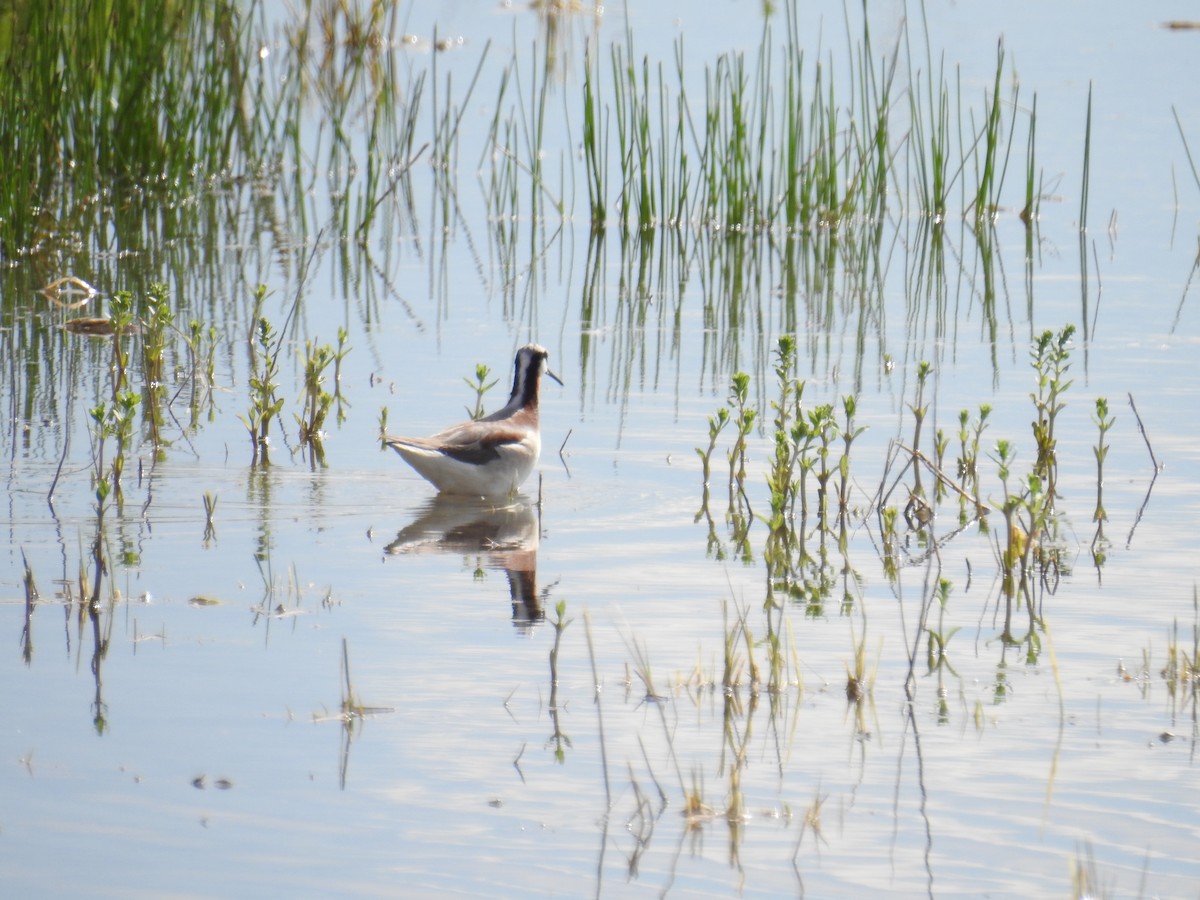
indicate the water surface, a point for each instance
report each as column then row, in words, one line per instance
column 194, row 739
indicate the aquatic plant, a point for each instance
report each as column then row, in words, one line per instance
column 264, row 345
column 1104, row 423
column 315, row 401
column 938, row 657
column 480, row 386
column 970, row 435
column 1050, row 358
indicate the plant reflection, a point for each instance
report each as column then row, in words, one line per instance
column 506, row 536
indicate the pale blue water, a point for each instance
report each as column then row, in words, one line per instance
column 220, row 770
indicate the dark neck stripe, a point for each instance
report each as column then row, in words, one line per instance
column 526, row 372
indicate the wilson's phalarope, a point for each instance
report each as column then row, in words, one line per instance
column 492, row 456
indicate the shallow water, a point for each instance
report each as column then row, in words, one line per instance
column 202, row 746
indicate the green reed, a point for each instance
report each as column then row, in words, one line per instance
column 595, row 142
column 988, row 179
column 782, row 142
column 1087, row 166
column 635, row 145
column 124, row 123
column 1032, row 208
column 930, row 144
column 120, row 91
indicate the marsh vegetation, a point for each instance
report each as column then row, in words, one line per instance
column 866, row 549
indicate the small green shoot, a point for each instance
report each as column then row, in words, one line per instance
column 480, row 386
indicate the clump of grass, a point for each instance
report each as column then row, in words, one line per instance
column 1181, row 673
column 632, row 115
column 116, row 93
column 929, row 108
column 860, row 684
column 734, row 665
column 595, row 142
column 695, row 811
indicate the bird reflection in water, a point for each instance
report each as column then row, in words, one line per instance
column 507, row 535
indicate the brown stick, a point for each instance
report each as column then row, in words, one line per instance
column 1145, row 437
column 945, row 479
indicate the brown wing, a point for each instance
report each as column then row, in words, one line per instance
column 470, row 442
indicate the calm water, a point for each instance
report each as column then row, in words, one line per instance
column 201, row 752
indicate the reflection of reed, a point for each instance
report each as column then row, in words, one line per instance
column 508, row 535
column 31, row 599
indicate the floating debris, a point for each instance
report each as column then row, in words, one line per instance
column 97, row 327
